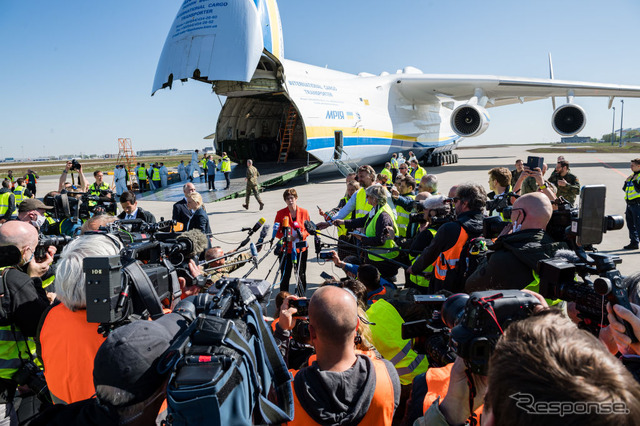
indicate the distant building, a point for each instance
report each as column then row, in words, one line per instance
column 576, row 139
column 155, row 152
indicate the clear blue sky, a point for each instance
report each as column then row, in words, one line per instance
column 76, row 75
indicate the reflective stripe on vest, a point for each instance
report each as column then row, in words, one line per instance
column 387, row 338
column 370, row 231
column 386, row 172
column 630, row 190
column 226, row 165
column 12, row 345
column 19, row 194
column 420, row 172
column 142, row 173
column 403, row 217
column 93, row 190
column 535, row 287
column 419, row 279
column 362, row 206
column 449, row 259
column 380, row 410
column 394, row 163
column 4, row 202
column 342, row 230
column 155, row 174
column 438, row 384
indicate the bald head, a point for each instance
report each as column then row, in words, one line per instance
column 333, row 313
column 537, row 210
column 19, row 234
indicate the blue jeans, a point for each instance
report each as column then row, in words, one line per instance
column 632, row 216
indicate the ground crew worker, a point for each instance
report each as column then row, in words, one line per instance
column 394, row 166
column 417, row 171
column 7, row 201
column 203, row 167
column 11, row 179
column 631, row 190
column 370, row 390
column 225, row 168
column 31, row 178
column 20, row 191
column 404, row 199
column 387, row 172
column 99, row 188
column 141, row 173
column 155, row 176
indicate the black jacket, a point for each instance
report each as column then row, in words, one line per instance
column 181, row 212
column 140, row 214
column 512, row 260
column 447, row 236
column 200, row 221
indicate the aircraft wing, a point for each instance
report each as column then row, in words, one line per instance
column 503, row 90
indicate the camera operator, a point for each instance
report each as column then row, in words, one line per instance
column 540, row 366
column 567, row 183
column 128, row 387
column 67, row 343
column 130, row 210
column 447, row 244
column 69, row 186
column 499, row 184
column 369, row 390
column 32, row 211
column 515, row 254
column 435, row 212
column 534, row 181
column 24, row 301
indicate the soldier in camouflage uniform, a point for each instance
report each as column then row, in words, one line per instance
column 216, row 252
column 252, row 185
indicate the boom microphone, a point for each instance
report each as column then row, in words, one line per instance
column 311, row 227
column 194, row 242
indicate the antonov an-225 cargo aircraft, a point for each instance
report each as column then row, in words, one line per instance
column 277, row 109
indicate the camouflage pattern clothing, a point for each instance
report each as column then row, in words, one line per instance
column 218, row 274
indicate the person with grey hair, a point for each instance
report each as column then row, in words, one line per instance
column 447, row 244
column 429, row 183
column 24, row 300
column 67, row 342
column 374, row 239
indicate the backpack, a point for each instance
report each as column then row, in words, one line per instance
column 223, row 369
column 474, row 252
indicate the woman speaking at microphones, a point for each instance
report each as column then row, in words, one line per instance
column 295, row 255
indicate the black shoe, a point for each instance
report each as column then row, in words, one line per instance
column 632, row 246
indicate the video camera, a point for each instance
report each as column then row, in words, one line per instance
column 80, row 205
column 467, row 326
column 132, row 284
column 502, row 204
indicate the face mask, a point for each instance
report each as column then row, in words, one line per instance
column 516, row 226
column 39, row 221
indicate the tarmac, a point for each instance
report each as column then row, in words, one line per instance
column 327, row 189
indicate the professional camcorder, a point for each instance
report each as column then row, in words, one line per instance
column 81, row 205
column 468, row 326
column 502, row 204
column 133, row 284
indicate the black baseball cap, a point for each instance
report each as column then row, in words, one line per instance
column 128, row 358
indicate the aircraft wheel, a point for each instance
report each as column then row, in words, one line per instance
column 455, row 158
column 439, row 160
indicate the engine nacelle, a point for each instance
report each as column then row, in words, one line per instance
column 568, row 119
column 470, row 120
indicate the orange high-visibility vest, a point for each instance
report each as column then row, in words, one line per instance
column 380, row 411
column 438, row 385
column 69, row 344
column 449, row 259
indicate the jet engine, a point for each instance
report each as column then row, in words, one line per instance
column 470, row 120
column 568, row 120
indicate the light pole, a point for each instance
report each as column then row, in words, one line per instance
column 621, row 116
column 613, row 126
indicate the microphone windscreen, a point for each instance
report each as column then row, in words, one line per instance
column 197, row 239
column 253, row 249
column 311, row 227
column 263, row 232
column 568, row 255
column 285, row 222
column 276, row 226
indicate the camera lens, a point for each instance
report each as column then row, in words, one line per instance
column 453, row 308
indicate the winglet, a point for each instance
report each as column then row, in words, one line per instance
column 553, row 99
